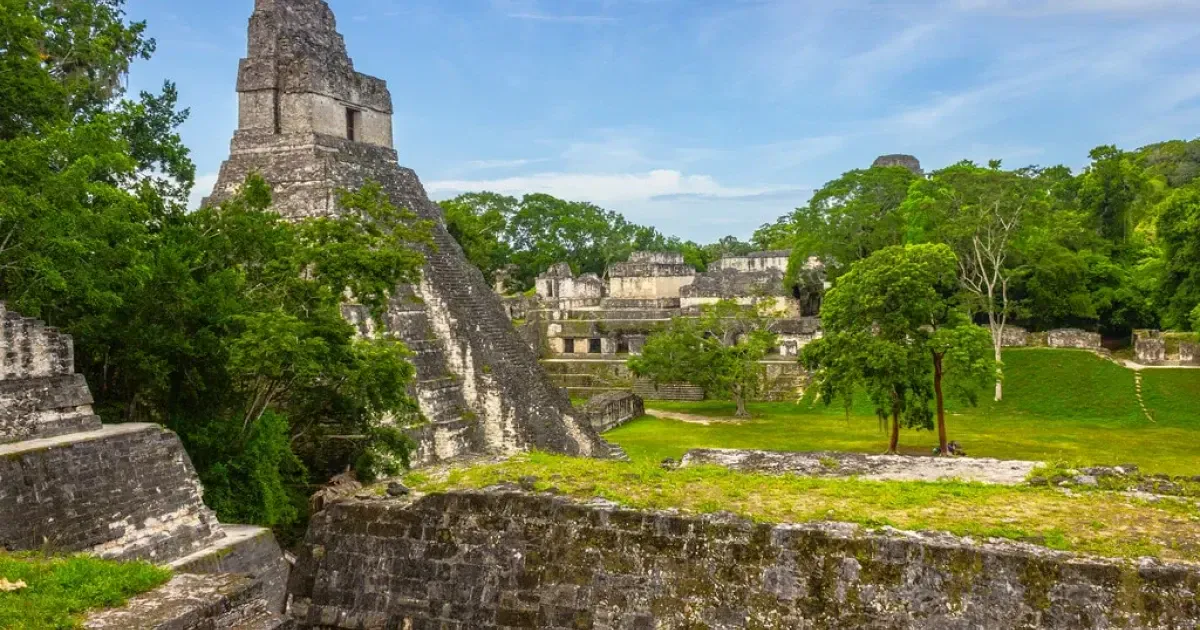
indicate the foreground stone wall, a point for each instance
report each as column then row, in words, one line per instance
column 505, row 559
column 124, row 492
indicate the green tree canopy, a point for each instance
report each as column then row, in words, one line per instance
column 907, row 298
column 719, row 351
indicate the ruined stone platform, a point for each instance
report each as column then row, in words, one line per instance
column 868, row 467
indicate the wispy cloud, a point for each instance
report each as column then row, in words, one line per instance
column 1039, row 8
column 569, row 19
column 203, row 188
column 604, row 187
column 502, row 164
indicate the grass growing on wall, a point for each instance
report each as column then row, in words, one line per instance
column 1059, row 405
column 60, row 590
column 1096, row 522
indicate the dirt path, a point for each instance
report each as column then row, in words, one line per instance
column 691, row 418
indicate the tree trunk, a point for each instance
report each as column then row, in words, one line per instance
column 741, row 405
column 894, row 445
column 999, row 374
column 941, row 404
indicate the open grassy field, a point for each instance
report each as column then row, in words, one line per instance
column 58, row 591
column 1065, row 407
column 1060, row 405
column 1090, row 521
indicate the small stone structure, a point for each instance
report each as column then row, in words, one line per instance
column 1073, row 338
column 124, row 492
column 756, row 261
column 501, row 558
column 610, row 410
column 559, row 283
column 1018, row 337
column 899, row 159
column 310, row 124
column 869, row 467
column 1153, row 347
column 649, row 275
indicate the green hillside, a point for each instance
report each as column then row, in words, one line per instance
column 1062, row 405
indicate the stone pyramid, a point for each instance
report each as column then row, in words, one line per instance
column 310, row 124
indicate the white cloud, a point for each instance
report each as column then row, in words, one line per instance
column 1027, row 8
column 202, row 189
column 603, row 187
column 501, row 164
column 864, row 71
column 568, row 19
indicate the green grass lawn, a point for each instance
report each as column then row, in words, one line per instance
column 1090, row 521
column 1060, row 405
column 60, row 590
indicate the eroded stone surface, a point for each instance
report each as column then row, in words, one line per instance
column 870, row 467
column 501, row 558
column 126, row 492
column 194, row 602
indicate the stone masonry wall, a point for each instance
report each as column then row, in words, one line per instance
column 124, row 492
column 1154, row 347
column 506, row 559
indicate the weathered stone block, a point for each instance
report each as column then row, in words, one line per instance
column 124, row 492
column 610, row 410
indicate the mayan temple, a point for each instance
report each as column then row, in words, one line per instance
column 310, row 124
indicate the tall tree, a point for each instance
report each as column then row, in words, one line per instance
column 479, row 222
column 1179, row 230
column 895, row 375
column 719, row 351
column 1110, row 189
column 907, row 296
column 982, row 214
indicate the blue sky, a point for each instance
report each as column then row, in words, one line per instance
column 711, row 117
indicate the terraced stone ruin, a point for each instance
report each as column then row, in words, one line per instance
column 586, row 327
column 310, row 124
column 124, row 492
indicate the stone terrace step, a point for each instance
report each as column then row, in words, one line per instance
column 190, row 601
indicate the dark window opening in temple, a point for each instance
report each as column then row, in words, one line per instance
column 594, row 346
column 568, row 346
column 353, row 118
column 622, row 347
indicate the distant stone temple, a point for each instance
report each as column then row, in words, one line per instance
column 586, row 327
column 310, row 124
column 907, row 161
